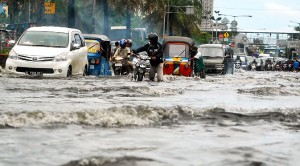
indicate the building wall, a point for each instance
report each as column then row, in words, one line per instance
column 207, row 11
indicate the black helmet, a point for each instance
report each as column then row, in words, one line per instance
column 153, row 37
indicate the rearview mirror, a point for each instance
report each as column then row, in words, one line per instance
column 75, row 46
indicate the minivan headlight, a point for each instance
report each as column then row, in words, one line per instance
column 12, row 54
column 61, row 57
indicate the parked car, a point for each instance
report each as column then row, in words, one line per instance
column 49, row 51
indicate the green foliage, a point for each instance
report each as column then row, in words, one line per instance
column 202, row 38
column 5, row 51
column 147, row 13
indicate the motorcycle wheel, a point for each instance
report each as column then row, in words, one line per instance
column 140, row 77
column 117, row 72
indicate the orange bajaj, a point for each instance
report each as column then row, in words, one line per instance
column 177, row 52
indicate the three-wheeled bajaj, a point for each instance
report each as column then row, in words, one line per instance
column 177, row 54
column 99, row 52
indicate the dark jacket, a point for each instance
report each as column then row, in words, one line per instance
column 152, row 50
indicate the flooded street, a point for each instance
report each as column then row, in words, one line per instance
column 248, row 118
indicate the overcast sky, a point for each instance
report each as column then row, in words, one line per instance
column 266, row 14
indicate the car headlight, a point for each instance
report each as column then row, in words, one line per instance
column 12, row 54
column 61, row 57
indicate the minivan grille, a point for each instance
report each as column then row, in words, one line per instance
column 34, row 59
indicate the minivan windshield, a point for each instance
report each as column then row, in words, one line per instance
column 211, row 51
column 44, row 39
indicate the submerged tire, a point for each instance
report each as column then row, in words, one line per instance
column 85, row 73
column 69, row 72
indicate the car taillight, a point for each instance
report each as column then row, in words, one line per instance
column 95, row 61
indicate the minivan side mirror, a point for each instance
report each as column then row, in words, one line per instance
column 75, row 46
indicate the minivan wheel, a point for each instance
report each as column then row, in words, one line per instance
column 85, row 71
column 69, row 73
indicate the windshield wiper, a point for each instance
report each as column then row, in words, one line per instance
column 182, row 52
column 58, row 46
column 92, row 46
column 41, row 45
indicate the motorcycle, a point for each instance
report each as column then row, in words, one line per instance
column 285, row 67
column 277, row 67
column 253, row 66
column 141, row 65
column 269, row 67
column 238, row 64
column 118, row 66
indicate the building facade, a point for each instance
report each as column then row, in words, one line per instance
column 207, row 13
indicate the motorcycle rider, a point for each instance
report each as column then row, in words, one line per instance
column 155, row 51
column 123, row 52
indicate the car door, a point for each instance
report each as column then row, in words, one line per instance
column 76, row 62
column 82, row 52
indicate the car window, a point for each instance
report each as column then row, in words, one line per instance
column 44, row 38
column 243, row 58
column 78, row 40
column 211, row 52
column 177, row 50
column 93, row 46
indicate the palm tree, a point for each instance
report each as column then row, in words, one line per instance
column 180, row 23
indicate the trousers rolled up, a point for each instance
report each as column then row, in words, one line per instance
column 156, row 69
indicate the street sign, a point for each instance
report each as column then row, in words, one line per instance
column 221, row 35
column 226, row 35
column 49, row 8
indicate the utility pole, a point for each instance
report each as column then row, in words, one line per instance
column 71, row 13
column 297, row 27
column 299, row 34
column 93, row 16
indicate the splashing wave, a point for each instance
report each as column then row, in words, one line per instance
column 143, row 116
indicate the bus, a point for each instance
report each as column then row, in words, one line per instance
column 138, row 35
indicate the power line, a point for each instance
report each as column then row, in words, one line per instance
column 256, row 9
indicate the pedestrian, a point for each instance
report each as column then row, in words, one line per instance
column 117, row 45
column 198, row 63
column 296, row 65
column 155, row 52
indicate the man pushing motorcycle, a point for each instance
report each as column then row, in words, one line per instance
column 155, row 52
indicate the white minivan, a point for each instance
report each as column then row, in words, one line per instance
column 48, row 51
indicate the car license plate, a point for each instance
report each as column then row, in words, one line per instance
column 92, row 67
column 35, row 74
column 118, row 64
